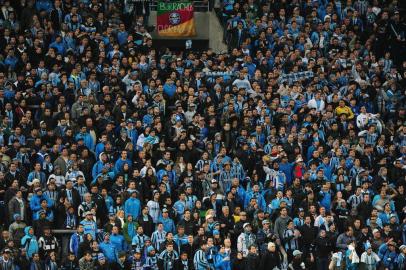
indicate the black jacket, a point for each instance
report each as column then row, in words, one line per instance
column 270, row 260
column 252, row 261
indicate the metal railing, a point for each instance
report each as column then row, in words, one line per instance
column 198, row 6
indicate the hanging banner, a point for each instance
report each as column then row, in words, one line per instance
column 175, row 19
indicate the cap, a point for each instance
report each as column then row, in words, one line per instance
column 402, row 247
column 393, row 244
column 214, row 181
column 164, row 210
column 7, row 250
column 40, row 212
column 297, row 253
column 150, row 248
column 130, row 120
column 246, row 224
column 216, row 232
column 375, row 231
column 100, row 256
column 301, row 210
column 265, row 221
column 35, row 181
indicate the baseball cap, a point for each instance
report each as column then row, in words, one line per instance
column 297, row 252
column 265, row 221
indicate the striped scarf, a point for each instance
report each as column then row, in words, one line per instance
column 290, row 243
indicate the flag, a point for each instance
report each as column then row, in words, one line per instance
column 175, row 19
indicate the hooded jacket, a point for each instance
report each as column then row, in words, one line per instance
column 29, row 242
column 132, row 207
column 35, row 203
column 109, row 250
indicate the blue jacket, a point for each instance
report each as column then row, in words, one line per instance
column 99, row 149
column 132, row 207
column 118, row 241
column 109, row 250
column 29, row 242
column 220, row 263
column 169, row 225
column 260, row 200
column 118, row 168
column 87, row 139
column 389, row 258
column 74, row 242
column 35, row 203
column 97, row 168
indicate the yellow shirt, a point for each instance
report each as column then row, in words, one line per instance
column 345, row 110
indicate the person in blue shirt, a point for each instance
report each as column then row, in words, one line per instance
column 255, row 193
column 58, row 44
column 29, row 242
column 325, row 197
column 388, row 255
column 275, row 203
column 118, row 168
column 36, row 199
column 327, row 169
column 86, row 137
column 180, row 206
column 132, row 206
column 169, row 225
column 100, row 146
column 102, row 165
column 222, row 260
column 138, row 241
column 118, row 240
column 180, row 238
column 89, row 225
column 76, row 239
column 169, row 87
column 108, row 248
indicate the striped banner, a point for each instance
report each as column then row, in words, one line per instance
column 175, row 19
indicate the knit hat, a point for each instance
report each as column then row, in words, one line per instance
column 16, row 216
column 150, row 249
column 367, row 245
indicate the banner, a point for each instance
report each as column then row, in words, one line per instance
column 175, row 19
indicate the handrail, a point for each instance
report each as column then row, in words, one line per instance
column 199, row 6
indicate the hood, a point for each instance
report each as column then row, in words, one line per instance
column 26, row 230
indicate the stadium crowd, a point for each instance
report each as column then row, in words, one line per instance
column 286, row 152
